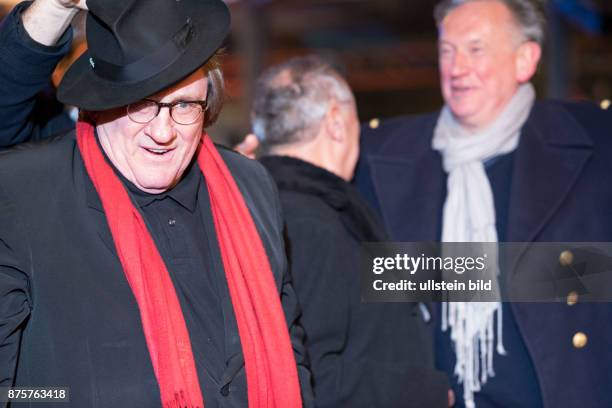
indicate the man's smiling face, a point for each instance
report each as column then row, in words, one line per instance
column 478, row 51
column 154, row 155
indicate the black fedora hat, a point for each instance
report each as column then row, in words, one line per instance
column 137, row 48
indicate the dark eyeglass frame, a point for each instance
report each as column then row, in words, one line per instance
column 203, row 104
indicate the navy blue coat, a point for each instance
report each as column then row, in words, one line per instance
column 561, row 191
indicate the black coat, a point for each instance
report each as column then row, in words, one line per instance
column 362, row 354
column 561, row 192
column 65, row 304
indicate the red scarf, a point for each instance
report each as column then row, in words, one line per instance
column 270, row 365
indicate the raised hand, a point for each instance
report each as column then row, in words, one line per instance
column 46, row 20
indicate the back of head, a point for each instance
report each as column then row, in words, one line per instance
column 292, row 99
column 527, row 13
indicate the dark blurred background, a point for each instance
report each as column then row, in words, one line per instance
column 387, row 50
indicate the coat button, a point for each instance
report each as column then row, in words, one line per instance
column 579, row 340
column 605, row 104
column 566, row 258
column 374, row 123
column 572, row 298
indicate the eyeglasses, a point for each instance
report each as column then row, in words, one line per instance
column 182, row 112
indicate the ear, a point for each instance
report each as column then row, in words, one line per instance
column 527, row 58
column 334, row 124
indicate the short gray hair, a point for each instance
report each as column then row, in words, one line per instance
column 527, row 14
column 291, row 100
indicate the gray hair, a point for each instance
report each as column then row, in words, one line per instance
column 291, row 100
column 527, row 14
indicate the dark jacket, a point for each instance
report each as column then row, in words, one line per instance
column 561, row 192
column 362, row 354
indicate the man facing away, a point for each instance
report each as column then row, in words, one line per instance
column 139, row 265
column 495, row 165
column 362, row 354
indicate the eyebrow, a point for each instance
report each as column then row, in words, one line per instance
column 471, row 43
column 178, row 98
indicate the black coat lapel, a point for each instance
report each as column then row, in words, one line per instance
column 231, row 336
column 96, row 210
column 552, row 153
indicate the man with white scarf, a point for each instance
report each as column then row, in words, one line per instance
column 495, row 165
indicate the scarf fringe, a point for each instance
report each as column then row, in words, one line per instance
column 473, row 341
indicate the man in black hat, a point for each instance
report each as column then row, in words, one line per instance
column 138, row 263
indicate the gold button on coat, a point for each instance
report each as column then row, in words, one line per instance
column 566, row 258
column 579, row 340
column 572, row 298
column 605, row 104
column 374, row 123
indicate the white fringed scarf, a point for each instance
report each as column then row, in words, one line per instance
column 469, row 216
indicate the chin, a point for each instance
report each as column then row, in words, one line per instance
column 463, row 110
column 155, row 185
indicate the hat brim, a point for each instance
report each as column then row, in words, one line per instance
column 81, row 87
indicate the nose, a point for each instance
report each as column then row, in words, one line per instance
column 459, row 65
column 161, row 128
